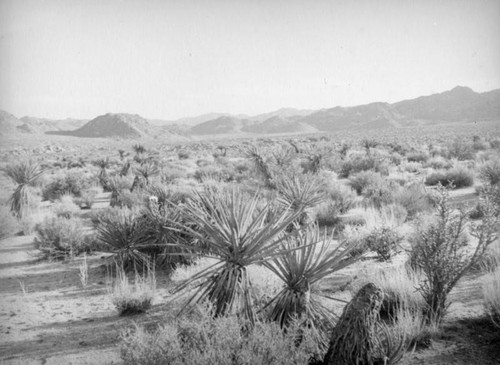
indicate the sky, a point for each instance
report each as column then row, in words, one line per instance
column 177, row 58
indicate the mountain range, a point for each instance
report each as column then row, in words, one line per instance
column 460, row 104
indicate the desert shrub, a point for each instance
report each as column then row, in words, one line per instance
column 327, row 214
column 384, row 241
column 439, row 163
column 458, row 177
column 71, row 182
column 357, row 164
column 417, row 156
column 491, row 294
column 413, row 167
column 395, row 158
column 183, row 154
column 490, row 172
column 87, row 198
column 133, row 298
column 362, row 180
column 65, row 207
column 201, row 340
column 460, row 149
column 495, row 144
column 60, row 238
column 341, row 195
column 8, row 224
column 479, row 145
column 414, row 199
column 379, row 193
column 440, row 251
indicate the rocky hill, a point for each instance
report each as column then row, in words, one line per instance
column 112, row 125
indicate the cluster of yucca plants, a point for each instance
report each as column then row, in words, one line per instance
column 234, row 230
column 25, row 174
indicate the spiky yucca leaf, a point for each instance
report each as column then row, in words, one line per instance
column 25, row 174
column 299, row 191
column 123, row 234
column 308, row 257
column 238, row 234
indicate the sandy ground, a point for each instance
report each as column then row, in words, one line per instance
column 48, row 317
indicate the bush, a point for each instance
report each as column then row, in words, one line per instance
column 203, row 340
column 490, row 172
column 417, row 157
column 183, row 154
column 384, row 241
column 459, row 177
column 60, row 238
column 414, row 199
column 342, row 196
column 362, row 180
column 356, row 164
column 72, row 182
column 461, row 150
column 439, row 250
column 64, row 207
column 439, row 163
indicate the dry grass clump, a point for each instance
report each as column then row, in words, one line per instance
column 202, row 339
column 133, row 298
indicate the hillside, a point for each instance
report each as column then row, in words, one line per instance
column 279, row 125
column 112, row 125
column 220, row 125
column 9, row 123
column 42, row 125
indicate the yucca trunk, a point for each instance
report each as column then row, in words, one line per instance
column 354, row 338
column 230, row 292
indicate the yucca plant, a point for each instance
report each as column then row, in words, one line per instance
column 263, row 168
column 237, row 234
column 25, row 174
column 300, row 193
column 307, row 258
column 161, row 218
column 123, row 235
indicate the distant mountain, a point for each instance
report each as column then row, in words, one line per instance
column 461, row 104
column 112, row 125
column 221, row 125
column 8, row 123
column 42, row 125
column 279, row 125
column 284, row 113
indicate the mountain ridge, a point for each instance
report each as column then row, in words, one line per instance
column 460, row 104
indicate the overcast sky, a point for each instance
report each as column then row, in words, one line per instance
column 170, row 59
